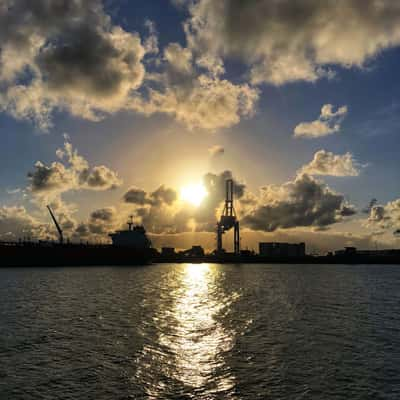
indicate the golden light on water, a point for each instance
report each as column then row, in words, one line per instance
column 193, row 340
column 199, row 338
column 193, row 194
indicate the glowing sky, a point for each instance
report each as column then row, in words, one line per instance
column 117, row 107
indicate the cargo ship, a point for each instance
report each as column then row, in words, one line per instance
column 129, row 247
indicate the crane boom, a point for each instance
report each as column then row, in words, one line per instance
column 60, row 232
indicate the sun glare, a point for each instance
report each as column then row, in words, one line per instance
column 194, row 194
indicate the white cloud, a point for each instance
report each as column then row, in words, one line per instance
column 216, row 151
column 49, row 181
column 386, row 217
column 327, row 163
column 285, row 41
column 211, row 104
column 16, row 223
column 198, row 99
column 328, row 122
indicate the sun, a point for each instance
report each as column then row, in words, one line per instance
column 194, row 194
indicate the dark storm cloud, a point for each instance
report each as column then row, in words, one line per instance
column 304, row 202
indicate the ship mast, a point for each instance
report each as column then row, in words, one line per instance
column 130, row 222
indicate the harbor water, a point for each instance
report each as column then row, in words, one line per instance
column 200, row 331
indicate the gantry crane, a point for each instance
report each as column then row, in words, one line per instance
column 228, row 220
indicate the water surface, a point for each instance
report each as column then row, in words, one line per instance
column 200, row 331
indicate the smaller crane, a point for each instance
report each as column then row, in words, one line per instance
column 60, row 232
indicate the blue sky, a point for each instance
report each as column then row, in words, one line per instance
column 147, row 149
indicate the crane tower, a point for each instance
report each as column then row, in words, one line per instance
column 228, row 220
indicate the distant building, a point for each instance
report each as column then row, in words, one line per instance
column 352, row 251
column 347, row 251
column 195, row 251
column 246, row 253
column 168, row 251
column 277, row 249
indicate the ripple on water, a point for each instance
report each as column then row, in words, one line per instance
column 201, row 331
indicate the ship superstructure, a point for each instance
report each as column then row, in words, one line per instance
column 134, row 237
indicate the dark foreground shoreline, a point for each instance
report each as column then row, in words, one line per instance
column 31, row 255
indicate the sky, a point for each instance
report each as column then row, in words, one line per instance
column 115, row 108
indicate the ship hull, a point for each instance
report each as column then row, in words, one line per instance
column 71, row 255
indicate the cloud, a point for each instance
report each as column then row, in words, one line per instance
column 140, row 197
column 73, row 172
column 371, row 204
column 136, row 196
column 65, row 55
column 98, row 225
column 216, row 151
column 285, row 41
column 198, row 99
column 328, row 122
column 327, row 163
column 303, row 202
column 386, row 217
column 17, row 223
column 162, row 211
column 102, row 221
column 163, row 195
column 179, row 59
column 69, row 56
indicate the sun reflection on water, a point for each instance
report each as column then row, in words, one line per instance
column 199, row 339
column 193, row 341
